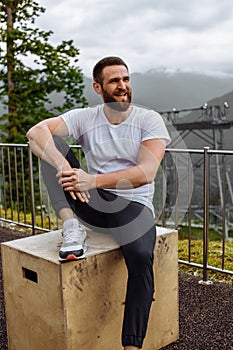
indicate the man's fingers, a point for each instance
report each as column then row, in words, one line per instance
column 66, row 180
column 65, row 173
column 87, row 194
column 83, row 197
column 73, row 195
column 76, row 180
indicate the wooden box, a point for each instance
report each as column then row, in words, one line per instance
column 79, row 305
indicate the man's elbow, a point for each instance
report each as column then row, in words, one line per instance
column 30, row 133
column 33, row 132
column 149, row 174
column 150, row 177
column 146, row 178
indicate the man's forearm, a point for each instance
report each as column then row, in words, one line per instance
column 125, row 179
column 42, row 145
column 150, row 156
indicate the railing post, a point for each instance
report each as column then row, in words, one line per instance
column 163, row 194
column 32, row 195
column 206, row 217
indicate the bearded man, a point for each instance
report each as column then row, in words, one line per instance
column 123, row 146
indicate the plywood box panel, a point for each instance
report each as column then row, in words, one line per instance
column 80, row 305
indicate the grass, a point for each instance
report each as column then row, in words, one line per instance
column 196, row 245
column 215, row 253
column 45, row 221
column 197, row 233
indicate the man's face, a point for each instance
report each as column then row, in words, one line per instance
column 116, row 89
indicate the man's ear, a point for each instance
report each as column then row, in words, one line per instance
column 97, row 87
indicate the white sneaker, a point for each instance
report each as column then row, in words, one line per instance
column 73, row 246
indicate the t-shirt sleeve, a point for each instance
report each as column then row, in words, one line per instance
column 153, row 127
column 74, row 121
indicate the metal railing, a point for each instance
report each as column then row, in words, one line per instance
column 24, row 199
column 193, row 189
column 203, row 198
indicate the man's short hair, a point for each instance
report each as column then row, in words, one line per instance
column 105, row 62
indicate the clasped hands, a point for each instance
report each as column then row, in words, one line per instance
column 77, row 182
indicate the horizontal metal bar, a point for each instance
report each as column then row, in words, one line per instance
column 223, row 152
column 210, row 268
column 199, row 151
column 13, row 145
column 16, row 223
column 180, row 150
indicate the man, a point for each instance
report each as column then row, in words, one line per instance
column 123, row 146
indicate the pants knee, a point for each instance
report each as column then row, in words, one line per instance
column 140, row 261
column 61, row 145
column 66, row 151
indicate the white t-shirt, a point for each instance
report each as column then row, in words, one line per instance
column 109, row 148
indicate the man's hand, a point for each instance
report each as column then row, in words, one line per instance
column 77, row 182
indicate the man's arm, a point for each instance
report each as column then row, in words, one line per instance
column 42, row 144
column 150, row 156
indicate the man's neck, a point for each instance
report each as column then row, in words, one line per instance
column 116, row 117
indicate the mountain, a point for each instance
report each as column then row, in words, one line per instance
column 162, row 90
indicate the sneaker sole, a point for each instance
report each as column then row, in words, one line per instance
column 72, row 257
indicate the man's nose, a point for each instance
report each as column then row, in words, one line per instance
column 121, row 85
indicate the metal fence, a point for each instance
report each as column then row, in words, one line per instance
column 192, row 190
column 197, row 191
column 24, row 199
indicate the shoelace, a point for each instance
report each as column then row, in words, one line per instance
column 75, row 235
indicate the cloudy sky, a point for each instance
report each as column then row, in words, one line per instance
column 194, row 35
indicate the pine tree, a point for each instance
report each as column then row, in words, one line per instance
column 31, row 70
column 26, row 88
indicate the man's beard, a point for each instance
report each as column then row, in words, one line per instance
column 116, row 105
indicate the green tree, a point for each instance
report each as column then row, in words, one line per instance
column 31, row 70
column 25, row 89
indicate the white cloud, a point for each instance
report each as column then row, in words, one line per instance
column 147, row 34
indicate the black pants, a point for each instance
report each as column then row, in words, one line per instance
column 132, row 225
